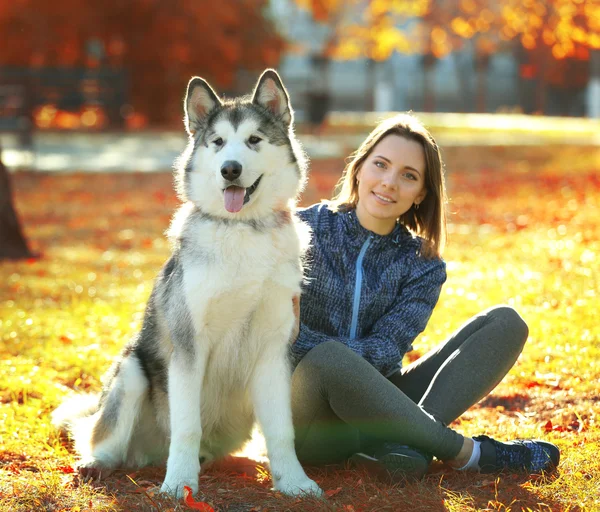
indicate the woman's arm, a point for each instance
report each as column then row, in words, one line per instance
column 296, row 307
column 392, row 335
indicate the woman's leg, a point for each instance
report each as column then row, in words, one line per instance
column 337, row 396
column 458, row 373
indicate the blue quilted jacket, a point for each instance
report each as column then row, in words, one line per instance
column 372, row 293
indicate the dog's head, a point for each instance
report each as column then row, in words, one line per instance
column 242, row 160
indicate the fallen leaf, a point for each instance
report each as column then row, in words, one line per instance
column 485, row 483
column 145, row 483
column 66, row 339
column 65, row 469
column 190, row 502
column 333, row 492
column 576, row 426
column 13, row 468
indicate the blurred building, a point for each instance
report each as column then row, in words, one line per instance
column 402, row 82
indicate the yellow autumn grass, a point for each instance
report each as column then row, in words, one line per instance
column 530, row 239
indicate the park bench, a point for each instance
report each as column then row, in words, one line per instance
column 22, row 90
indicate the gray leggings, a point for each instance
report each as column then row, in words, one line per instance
column 341, row 404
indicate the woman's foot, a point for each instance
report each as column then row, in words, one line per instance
column 530, row 456
column 394, row 462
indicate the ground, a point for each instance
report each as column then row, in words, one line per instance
column 524, row 230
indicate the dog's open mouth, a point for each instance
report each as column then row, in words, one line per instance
column 236, row 197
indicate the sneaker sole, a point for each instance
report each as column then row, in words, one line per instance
column 392, row 467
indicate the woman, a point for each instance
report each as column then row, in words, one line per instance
column 374, row 276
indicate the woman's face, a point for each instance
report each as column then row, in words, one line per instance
column 390, row 180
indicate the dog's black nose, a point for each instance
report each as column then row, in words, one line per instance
column 231, row 170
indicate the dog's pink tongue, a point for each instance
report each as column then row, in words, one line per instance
column 234, row 198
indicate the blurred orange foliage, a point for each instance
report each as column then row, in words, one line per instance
column 160, row 44
column 565, row 26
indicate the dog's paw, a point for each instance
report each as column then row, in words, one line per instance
column 182, row 472
column 174, row 486
column 306, row 486
column 93, row 470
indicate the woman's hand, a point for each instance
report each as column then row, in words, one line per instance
column 296, row 308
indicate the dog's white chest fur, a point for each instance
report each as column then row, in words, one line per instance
column 231, row 268
column 238, row 282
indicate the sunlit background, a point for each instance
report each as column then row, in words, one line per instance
column 76, row 65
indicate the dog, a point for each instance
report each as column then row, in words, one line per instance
column 212, row 353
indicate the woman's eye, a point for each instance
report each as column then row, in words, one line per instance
column 380, row 164
column 254, row 139
column 410, row 176
column 218, row 142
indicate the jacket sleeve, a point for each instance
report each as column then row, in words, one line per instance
column 392, row 335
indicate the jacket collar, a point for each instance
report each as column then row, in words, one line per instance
column 358, row 234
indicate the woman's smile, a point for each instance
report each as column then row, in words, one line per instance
column 383, row 198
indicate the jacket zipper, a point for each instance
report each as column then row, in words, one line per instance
column 357, row 288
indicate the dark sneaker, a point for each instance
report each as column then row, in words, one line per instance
column 394, row 463
column 531, row 456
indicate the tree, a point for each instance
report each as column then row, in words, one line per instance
column 12, row 242
column 358, row 29
column 555, row 39
column 159, row 44
column 556, row 36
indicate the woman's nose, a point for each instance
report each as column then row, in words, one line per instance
column 389, row 180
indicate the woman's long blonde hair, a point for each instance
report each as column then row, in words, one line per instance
column 429, row 219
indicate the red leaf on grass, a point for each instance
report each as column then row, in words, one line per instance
column 532, row 384
column 13, row 468
column 66, row 339
column 333, row 492
column 65, row 469
column 190, row 502
column 548, row 427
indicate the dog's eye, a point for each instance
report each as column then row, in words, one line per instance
column 254, row 139
column 218, row 142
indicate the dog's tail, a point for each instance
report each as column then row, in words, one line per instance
column 73, row 418
column 74, row 408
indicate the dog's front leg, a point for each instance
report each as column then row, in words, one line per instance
column 186, row 374
column 272, row 405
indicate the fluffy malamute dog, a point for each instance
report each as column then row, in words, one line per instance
column 211, row 355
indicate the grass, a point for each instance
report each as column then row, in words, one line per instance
column 525, row 235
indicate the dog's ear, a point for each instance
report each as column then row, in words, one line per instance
column 271, row 94
column 200, row 100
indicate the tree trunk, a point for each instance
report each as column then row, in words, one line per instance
column 482, row 62
column 593, row 91
column 463, row 75
column 318, row 94
column 12, row 243
column 429, row 62
column 541, row 88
